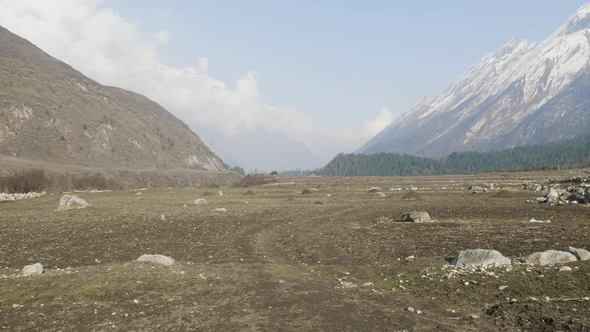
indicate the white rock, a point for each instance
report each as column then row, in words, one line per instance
column 565, row 269
column 581, row 254
column 480, row 258
column 70, row 202
column 550, row 257
column 373, row 190
column 502, row 287
column 200, row 201
column 416, row 217
column 163, row 217
column 380, row 195
column 157, row 259
column 540, row 221
column 32, row 269
column 221, row 210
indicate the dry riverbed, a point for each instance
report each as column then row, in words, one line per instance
column 275, row 259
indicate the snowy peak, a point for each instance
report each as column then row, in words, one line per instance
column 525, row 93
column 578, row 22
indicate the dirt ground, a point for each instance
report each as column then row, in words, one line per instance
column 278, row 260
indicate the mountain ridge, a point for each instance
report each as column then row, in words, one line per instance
column 500, row 102
column 51, row 112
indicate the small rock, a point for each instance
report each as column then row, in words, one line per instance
column 157, row 259
column 581, row 254
column 70, row 202
column 410, row 309
column 33, row 269
column 380, row 195
column 221, row 210
column 200, row 201
column 480, row 258
column 163, row 217
column 417, row 217
column 374, row 190
column 533, row 220
column 503, row 287
column 565, row 269
column 550, row 257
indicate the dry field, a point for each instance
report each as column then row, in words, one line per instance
column 276, row 260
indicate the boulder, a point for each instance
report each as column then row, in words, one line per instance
column 550, row 257
column 416, row 217
column 157, row 259
column 480, row 258
column 33, row 269
column 581, row 254
column 70, row 202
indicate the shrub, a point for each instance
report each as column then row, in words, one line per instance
column 35, row 180
column 95, row 181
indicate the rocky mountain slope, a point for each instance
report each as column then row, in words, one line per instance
column 50, row 112
column 524, row 94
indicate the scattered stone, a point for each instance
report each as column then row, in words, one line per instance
column 163, row 217
column 157, row 259
column 581, row 254
column 248, row 193
column 33, row 269
column 70, row 202
column 380, row 194
column 503, row 287
column 200, row 201
column 565, row 269
column 550, row 257
column 306, row 192
column 374, row 190
column 480, row 258
column 220, row 210
column 416, row 217
column 410, row 309
column 206, row 193
column 477, row 189
column 220, row 193
column 4, row 197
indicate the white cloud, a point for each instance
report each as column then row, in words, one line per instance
column 108, row 48
column 374, row 126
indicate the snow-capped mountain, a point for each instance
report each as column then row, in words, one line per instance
column 524, row 94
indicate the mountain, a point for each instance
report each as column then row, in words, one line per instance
column 261, row 150
column 524, row 94
column 50, row 112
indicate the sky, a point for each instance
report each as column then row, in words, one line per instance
column 327, row 74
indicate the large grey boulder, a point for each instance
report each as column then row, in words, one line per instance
column 33, row 269
column 480, row 258
column 550, row 257
column 416, row 217
column 70, row 202
column 581, row 254
column 157, row 259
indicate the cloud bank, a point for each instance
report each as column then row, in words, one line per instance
column 108, row 48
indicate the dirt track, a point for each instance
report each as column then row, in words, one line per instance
column 279, row 260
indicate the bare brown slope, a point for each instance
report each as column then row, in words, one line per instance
column 51, row 112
